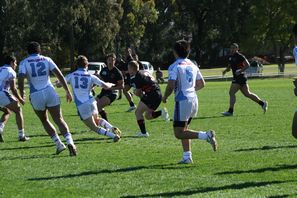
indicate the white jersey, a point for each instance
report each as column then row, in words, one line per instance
column 295, row 54
column 37, row 69
column 6, row 75
column 82, row 83
column 185, row 73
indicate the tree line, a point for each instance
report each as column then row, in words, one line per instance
column 67, row 28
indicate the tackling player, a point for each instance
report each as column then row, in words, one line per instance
column 184, row 78
column 150, row 97
column 10, row 102
column 238, row 63
column 43, row 97
column 82, row 83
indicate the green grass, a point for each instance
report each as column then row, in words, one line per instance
column 256, row 156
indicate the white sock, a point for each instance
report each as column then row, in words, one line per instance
column 68, row 138
column 21, row 133
column 202, row 135
column 103, row 131
column 187, row 155
column 56, row 139
column 105, row 124
column 2, row 125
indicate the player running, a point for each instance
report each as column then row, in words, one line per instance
column 43, row 97
column 82, row 83
column 150, row 97
column 185, row 79
column 10, row 102
column 238, row 63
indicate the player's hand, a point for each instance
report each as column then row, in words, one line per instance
column 164, row 100
column 109, row 85
column 68, row 96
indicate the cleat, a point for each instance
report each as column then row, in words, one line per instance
column 265, row 106
column 116, row 131
column 186, row 161
column 24, row 138
column 131, row 108
column 72, row 149
column 165, row 114
column 116, row 138
column 212, row 139
column 60, row 148
column 1, row 137
column 227, row 113
column 139, row 134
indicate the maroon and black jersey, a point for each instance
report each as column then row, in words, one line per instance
column 144, row 81
column 111, row 76
column 236, row 62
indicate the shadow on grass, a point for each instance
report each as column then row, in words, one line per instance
column 120, row 170
column 26, row 147
column 212, row 189
column 43, row 156
column 261, row 170
column 265, row 148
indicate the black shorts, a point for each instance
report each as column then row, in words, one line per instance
column 152, row 99
column 241, row 79
column 112, row 96
column 127, row 79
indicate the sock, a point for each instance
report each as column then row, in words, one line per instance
column 141, row 126
column 156, row 114
column 105, row 124
column 131, row 104
column 21, row 133
column 187, row 155
column 202, row 135
column 103, row 114
column 103, row 131
column 2, row 125
column 230, row 110
column 56, row 140
column 189, row 121
column 261, row 103
column 68, row 138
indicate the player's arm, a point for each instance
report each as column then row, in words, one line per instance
column 119, row 85
column 15, row 92
column 138, row 92
column 199, row 84
column 226, row 70
column 169, row 89
column 62, row 80
column 21, row 85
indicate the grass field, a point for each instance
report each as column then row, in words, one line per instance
column 256, row 156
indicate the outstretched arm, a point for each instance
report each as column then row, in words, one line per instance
column 169, row 89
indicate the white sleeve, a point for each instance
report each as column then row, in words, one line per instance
column 172, row 73
column 22, row 69
column 97, row 81
column 199, row 75
column 52, row 64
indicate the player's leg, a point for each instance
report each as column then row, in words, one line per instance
column 141, row 108
column 102, row 101
column 246, row 92
column 57, row 116
column 234, row 87
column 129, row 97
column 294, row 125
column 3, row 120
column 16, row 108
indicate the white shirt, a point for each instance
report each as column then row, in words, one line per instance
column 295, row 54
column 82, row 83
column 185, row 73
column 37, row 69
column 6, row 75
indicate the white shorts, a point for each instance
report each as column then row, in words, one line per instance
column 185, row 109
column 5, row 98
column 87, row 109
column 42, row 99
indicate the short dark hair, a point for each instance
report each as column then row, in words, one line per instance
column 81, row 61
column 111, row 55
column 33, row 48
column 8, row 59
column 134, row 65
column 182, row 48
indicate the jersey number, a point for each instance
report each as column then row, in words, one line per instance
column 189, row 74
column 40, row 67
column 80, row 82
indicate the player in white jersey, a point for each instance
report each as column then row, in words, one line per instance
column 82, row 83
column 184, row 78
column 295, row 53
column 43, row 97
column 10, row 102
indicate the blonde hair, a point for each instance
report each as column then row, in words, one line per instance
column 134, row 65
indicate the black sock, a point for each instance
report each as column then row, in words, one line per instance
column 230, row 110
column 189, row 121
column 261, row 103
column 131, row 104
column 156, row 114
column 103, row 115
column 141, row 126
